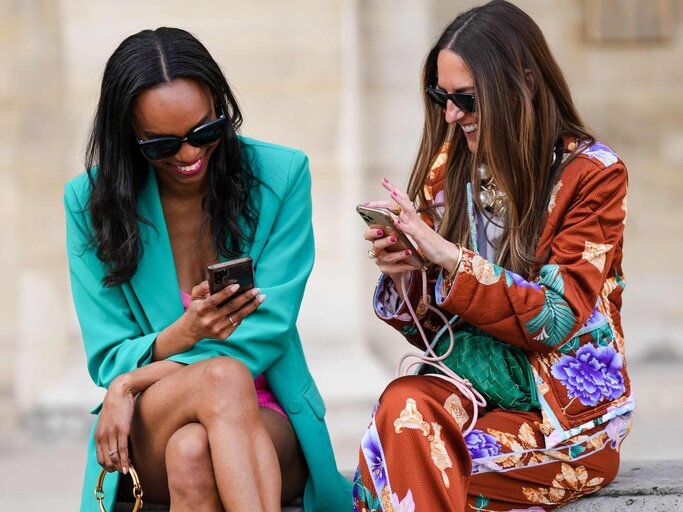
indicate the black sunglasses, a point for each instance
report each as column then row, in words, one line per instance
column 163, row 147
column 465, row 101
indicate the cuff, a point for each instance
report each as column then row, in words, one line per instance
column 387, row 302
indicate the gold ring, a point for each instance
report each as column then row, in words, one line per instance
column 372, row 254
column 231, row 320
column 397, row 210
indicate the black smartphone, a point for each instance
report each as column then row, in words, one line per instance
column 380, row 218
column 239, row 271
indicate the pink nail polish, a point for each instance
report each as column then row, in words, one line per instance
column 379, row 232
column 408, row 253
column 386, row 180
column 398, row 221
column 394, row 193
column 393, row 239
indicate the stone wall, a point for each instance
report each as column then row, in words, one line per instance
column 340, row 80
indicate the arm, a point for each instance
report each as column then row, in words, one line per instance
column 543, row 315
column 114, row 341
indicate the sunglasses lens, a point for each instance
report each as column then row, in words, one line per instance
column 207, row 134
column 161, row 149
column 438, row 97
column 465, row 102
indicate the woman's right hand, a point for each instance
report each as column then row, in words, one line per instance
column 393, row 263
column 203, row 319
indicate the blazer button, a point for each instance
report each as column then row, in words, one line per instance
column 294, row 407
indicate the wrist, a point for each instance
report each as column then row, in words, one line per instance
column 123, row 384
column 450, row 257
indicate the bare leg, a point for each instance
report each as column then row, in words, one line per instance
column 219, row 394
column 293, row 466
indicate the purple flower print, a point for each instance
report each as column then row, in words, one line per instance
column 374, row 457
column 592, row 375
column 480, row 444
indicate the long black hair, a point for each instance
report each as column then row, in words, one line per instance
column 117, row 170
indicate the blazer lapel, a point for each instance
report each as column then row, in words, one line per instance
column 155, row 282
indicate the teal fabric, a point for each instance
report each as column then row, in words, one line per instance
column 501, row 372
column 119, row 324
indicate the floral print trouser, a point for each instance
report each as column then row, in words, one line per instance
column 413, row 457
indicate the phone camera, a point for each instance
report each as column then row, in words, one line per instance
column 220, row 275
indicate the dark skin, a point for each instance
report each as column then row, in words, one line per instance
column 196, row 433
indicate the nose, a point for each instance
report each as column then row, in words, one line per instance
column 187, row 153
column 453, row 113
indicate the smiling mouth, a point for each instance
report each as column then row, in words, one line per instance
column 469, row 128
column 192, row 168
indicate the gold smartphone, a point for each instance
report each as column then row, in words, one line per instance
column 380, row 218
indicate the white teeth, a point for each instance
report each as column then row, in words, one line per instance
column 190, row 168
column 470, row 127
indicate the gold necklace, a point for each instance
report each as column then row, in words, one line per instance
column 490, row 197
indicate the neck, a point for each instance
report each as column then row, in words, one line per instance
column 170, row 189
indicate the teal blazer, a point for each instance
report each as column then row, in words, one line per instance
column 120, row 323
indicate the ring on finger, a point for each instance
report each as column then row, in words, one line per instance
column 112, row 452
column 372, row 254
column 397, row 210
column 232, row 322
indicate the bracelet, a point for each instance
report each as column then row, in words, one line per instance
column 451, row 275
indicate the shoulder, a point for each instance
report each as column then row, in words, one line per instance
column 274, row 165
column 596, row 162
column 593, row 180
column 77, row 190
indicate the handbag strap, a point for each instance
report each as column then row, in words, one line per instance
column 137, row 489
column 431, row 359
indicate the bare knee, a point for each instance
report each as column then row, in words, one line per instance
column 228, row 389
column 188, row 461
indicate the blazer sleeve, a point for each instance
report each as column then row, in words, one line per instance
column 281, row 274
column 544, row 314
column 113, row 339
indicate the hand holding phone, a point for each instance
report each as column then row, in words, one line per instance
column 381, row 219
column 220, row 304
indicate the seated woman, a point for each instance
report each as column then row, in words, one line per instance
column 520, row 216
column 213, row 403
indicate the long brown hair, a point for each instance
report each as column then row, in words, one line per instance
column 523, row 104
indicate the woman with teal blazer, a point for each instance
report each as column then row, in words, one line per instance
column 208, row 395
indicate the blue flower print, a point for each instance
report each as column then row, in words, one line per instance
column 602, row 153
column 480, row 444
column 592, row 375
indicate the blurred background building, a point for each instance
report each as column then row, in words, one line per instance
column 340, row 80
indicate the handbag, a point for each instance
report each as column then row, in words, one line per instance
column 137, row 489
column 501, row 372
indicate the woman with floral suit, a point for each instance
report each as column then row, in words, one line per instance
column 519, row 212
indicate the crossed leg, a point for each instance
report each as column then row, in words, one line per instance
column 200, row 441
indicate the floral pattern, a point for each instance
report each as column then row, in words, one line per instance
column 595, row 254
column 556, row 319
column 593, row 375
column 571, row 482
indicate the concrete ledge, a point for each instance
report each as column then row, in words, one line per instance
column 651, row 486
column 655, row 486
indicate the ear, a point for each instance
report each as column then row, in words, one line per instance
column 530, row 79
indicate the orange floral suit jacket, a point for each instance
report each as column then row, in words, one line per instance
column 567, row 318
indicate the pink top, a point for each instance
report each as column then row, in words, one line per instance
column 264, row 394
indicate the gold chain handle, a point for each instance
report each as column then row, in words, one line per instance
column 137, row 489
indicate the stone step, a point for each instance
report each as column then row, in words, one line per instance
column 655, row 486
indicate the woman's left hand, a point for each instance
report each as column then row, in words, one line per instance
column 433, row 246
